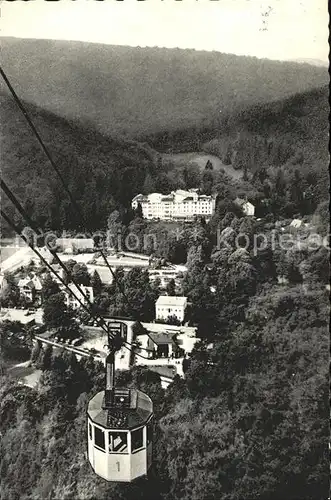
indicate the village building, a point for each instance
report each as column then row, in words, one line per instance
column 83, row 294
column 247, row 207
column 165, row 347
column 30, row 288
column 296, row 223
column 170, row 306
column 167, row 273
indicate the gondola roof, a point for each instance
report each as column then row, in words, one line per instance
column 137, row 413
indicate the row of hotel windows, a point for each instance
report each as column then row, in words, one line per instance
column 179, row 205
column 172, row 202
column 182, row 209
column 117, row 441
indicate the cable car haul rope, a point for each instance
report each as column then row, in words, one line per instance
column 119, row 419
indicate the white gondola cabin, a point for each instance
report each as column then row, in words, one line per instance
column 120, row 430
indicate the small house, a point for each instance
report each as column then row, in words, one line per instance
column 247, row 207
column 27, row 289
column 83, row 294
column 167, row 306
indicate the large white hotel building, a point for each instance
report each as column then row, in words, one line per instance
column 178, row 205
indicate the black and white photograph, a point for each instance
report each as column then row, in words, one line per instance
column 165, row 250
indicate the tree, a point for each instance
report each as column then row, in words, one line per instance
column 173, row 320
column 186, row 176
column 297, row 190
column 115, row 230
column 101, row 303
column 226, row 221
column 96, row 283
column 140, row 294
column 30, row 235
column 81, row 275
column 45, row 358
column 49, row 287
column 156, row 286
column 55, row 310
column 245, row 173
column 316, row 268
column 149, row 185
column 139, row 211
column 10, row 294
column 191, row 176
column 171, row 287
column 57, row 316
column 36, row 352
column 279, row 191
column 67, row 275
column 14, row 341
column 135, row 235
column 321, row 218
column 207, row 182
column 209, row 165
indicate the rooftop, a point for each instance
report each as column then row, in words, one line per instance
column 170, row 300
column 26, row 282
column 240, row 201
column 161, row 338
column 140, row 410
column 165, row 371
column 103, row 271
column 180, row 193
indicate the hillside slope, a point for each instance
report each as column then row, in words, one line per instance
column 265, row 134
column 102, row 173
column 301, row 120
column 140, row 90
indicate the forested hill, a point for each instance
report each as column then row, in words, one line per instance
column 300, row 120
column 291, row 132
column 140, row 90
column 102, row 173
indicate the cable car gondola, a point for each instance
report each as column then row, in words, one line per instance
column 120, row 428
